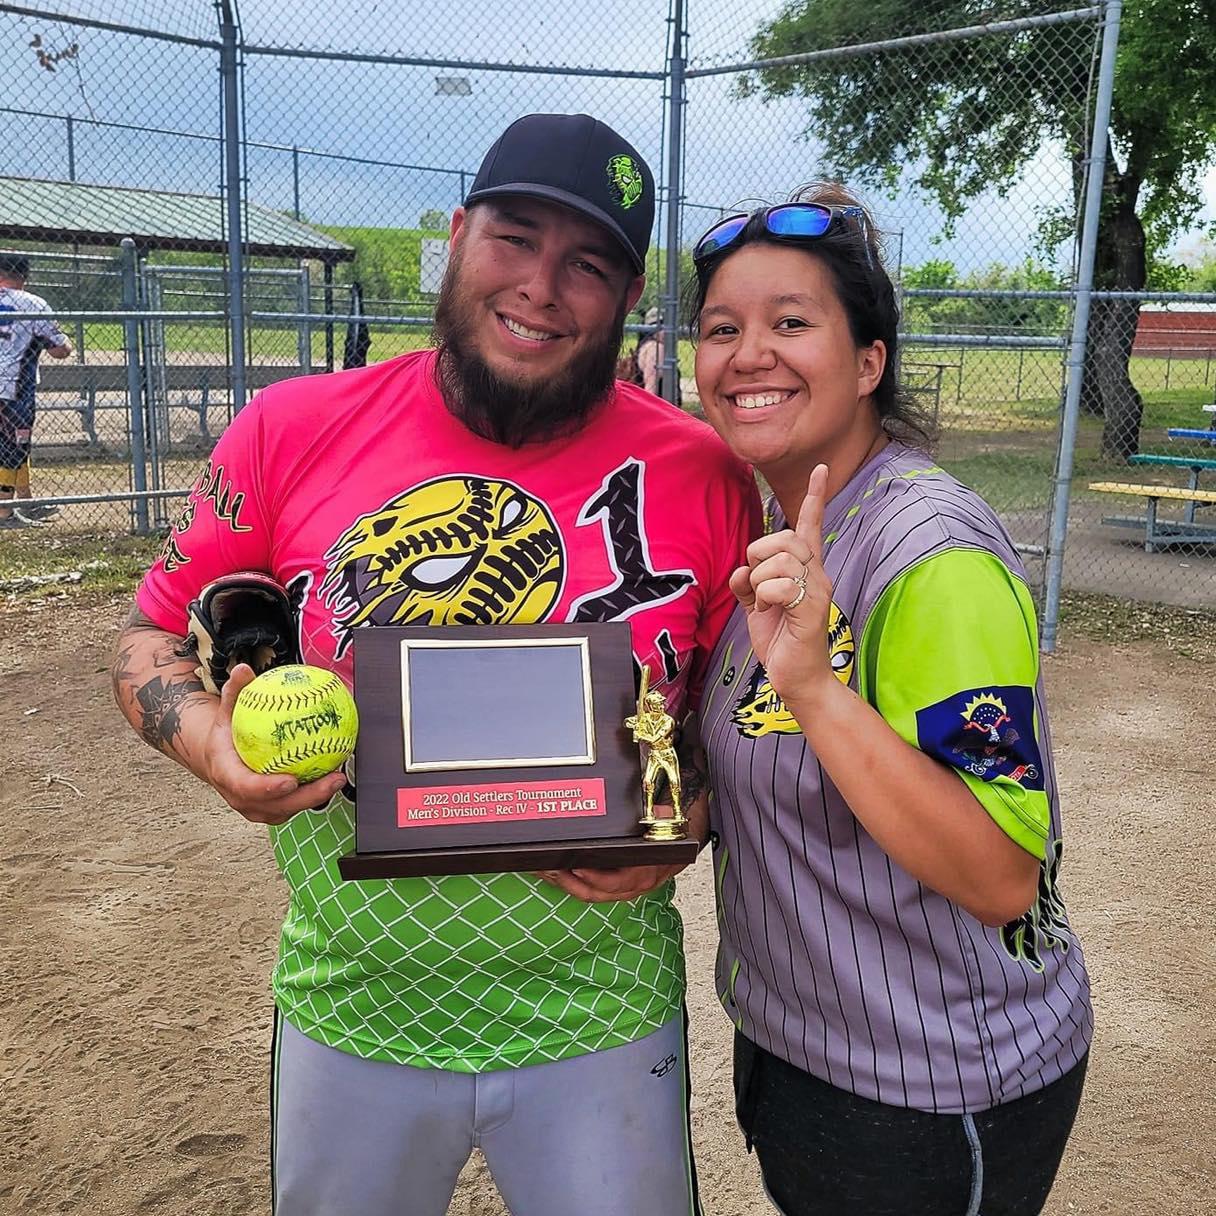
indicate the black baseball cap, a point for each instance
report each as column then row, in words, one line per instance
column 581, row 163
column 15, row 264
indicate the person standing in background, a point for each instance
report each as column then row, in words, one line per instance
column 21, row 342
column 650, row 355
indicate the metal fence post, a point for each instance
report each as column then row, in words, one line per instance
column 295, row 181
column 675, row 157
column 304, row 334
column 1080, row 324
column 71, row 149
column 233, row 190
column 135, row 396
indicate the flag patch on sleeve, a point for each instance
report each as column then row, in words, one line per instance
column 988, row 732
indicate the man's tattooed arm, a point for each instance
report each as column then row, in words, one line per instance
column 157, row 688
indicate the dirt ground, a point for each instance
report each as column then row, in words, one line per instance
column 139, row 919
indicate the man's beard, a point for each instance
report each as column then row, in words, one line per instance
column 512, row 412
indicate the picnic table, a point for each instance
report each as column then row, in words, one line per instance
column 924, row 375
column 1203, row 434
column 1159, row 533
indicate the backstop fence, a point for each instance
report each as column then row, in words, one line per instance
column 200, row 190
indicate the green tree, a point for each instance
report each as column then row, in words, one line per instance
column 656, row 279
column 434, row 219
column 968, row 115
column 981, row 314
column 1202, row 276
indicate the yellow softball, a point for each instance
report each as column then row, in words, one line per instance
column 295, row 719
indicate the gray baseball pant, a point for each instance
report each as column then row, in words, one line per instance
column 602, row 1134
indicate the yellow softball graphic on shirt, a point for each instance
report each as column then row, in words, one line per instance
column 295, row 719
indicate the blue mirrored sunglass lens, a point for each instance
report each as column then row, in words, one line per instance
column 720, row 237
column 799, row 221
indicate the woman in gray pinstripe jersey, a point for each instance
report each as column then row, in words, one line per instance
column 911, row 1006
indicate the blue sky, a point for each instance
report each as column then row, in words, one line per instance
column 736, row 149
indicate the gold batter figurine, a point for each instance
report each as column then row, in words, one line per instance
column 654, row 726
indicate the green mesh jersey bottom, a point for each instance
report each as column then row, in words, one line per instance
column 469, row 973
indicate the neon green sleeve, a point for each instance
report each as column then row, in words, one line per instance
column 950, row 658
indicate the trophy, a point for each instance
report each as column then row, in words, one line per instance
column 492, row 748
column 654, row 726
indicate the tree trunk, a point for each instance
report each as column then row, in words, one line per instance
column 1123, row 243
column 1119, row 265
column 1091, row 394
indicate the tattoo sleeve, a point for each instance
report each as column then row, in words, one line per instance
column 154, row 683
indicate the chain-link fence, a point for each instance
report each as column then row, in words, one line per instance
column 314, row 149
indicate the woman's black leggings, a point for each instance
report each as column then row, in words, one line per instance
column 826, row 1152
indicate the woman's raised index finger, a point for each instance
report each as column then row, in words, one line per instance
column 810, row 517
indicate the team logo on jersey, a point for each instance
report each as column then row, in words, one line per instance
column 841, row 650
column 760, row 711
column 214, row 486
column 1045, row 925
column 455, row 551
column 988, row 733
column 619, row 506
column 171, row 554
column 217, row 488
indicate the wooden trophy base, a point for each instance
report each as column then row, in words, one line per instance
column 596, row 854
column 497, row 749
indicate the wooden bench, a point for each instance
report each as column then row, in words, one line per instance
column 1160, row 533
column 195, row 383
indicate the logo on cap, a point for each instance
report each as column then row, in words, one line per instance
column 625, row 180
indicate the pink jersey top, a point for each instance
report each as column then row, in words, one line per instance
column 365, row 497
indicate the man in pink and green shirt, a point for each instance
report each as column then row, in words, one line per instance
column 504, row 477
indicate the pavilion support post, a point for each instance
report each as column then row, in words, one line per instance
column 329, row 316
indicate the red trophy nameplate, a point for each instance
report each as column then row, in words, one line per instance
column 495, row 748
column 513, row 800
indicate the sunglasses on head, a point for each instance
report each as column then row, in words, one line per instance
column 787, row 222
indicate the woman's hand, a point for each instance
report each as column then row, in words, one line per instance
column 787, row 597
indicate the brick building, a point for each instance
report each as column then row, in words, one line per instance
column 1184, row 329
